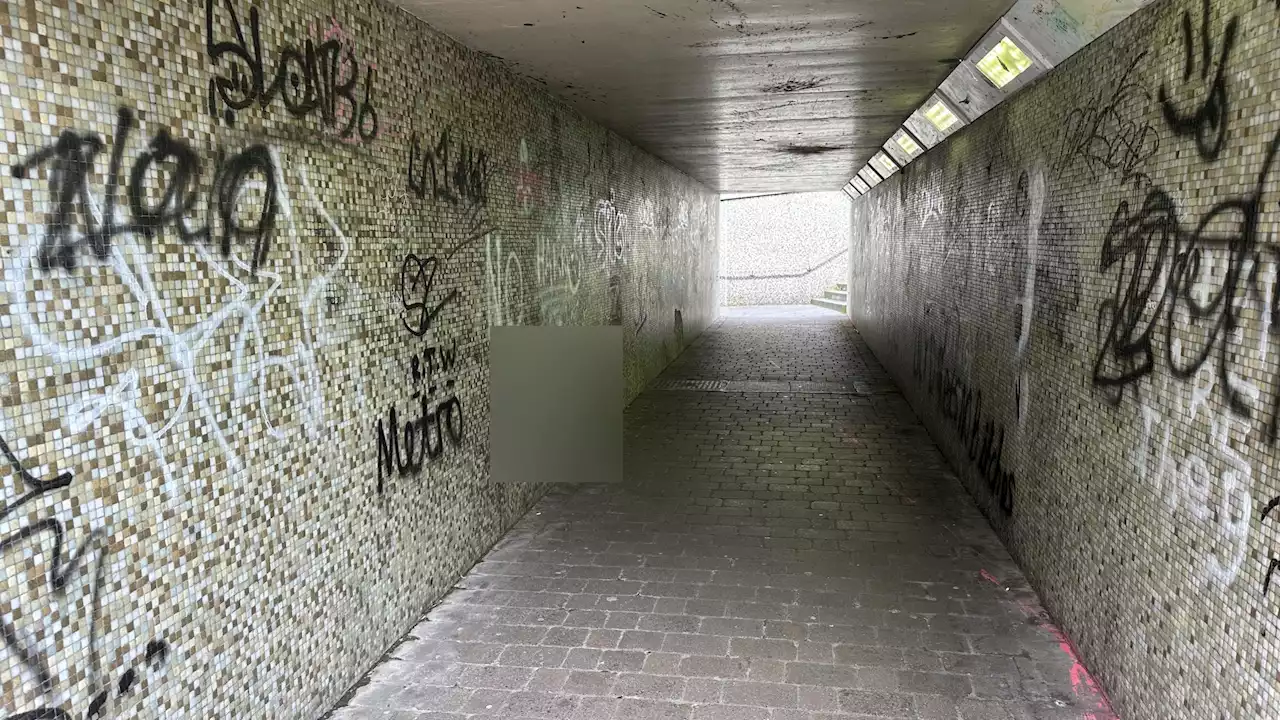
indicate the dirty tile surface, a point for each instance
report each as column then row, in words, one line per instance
column 1077, row 293
column 251, row 255
column 781, row 556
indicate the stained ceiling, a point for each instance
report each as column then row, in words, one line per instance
column 745, row 95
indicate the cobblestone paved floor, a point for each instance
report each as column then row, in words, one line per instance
column 773, row 555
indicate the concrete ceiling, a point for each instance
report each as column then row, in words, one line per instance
column 745, row 95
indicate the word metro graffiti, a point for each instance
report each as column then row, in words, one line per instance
column 404, row 449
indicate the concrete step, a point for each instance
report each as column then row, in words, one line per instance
column 830, row 304
column 838, row 295
column 843, row 287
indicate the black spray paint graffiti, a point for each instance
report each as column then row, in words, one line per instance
column 321, row 78
column 167, row 163
column 1105, row 137
column 961, row 405
column 1275, row 562
column 1159, row 265
column 156, row 654
column 1207, row 123
column 417, row 278
column 424, row 438
column 65, row 569
column 60, row 569
column 36, row 487
column 456, row 173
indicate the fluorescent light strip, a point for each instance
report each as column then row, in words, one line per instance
column 1003, row 63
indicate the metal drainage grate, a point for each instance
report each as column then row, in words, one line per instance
column 703, row 385
column 764, row 386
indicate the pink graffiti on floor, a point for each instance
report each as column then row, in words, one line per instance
column 1087, row 690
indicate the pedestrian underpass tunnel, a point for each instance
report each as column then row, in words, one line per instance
column 401, row 360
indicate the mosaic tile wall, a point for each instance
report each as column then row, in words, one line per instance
column 1079, row 295
column 783, row 249
column 251, row 255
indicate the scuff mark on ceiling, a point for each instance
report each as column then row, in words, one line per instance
column 746, row 114
column 809, row 149
column 794, row 85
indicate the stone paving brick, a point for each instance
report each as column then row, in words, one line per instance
column 429, row 697
column 692, row 644
column 589, row 682
column 876, row 703
column 758, row 693
column 548, row 679
column 713, row 667
column 704, row 690
column 486, row 701
column 491, row 676
column 769, row 648
column 583, row 659
column 730, row 712
column 634, row 709
column 533, row 656
column 772, row 555
column 662, row 663
column 540, row 705
column 592, row 708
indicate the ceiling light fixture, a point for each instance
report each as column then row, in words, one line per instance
column 885, row 164
column 1003, row 63
column 941, row 116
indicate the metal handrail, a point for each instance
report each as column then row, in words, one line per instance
column 811, row 270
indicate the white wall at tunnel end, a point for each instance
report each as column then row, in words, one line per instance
column 783, row 249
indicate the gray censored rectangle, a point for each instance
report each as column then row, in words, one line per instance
column 555, row 403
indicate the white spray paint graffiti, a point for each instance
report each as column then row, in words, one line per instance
column 558, row 271
column 504, row 281
column 610, row 234
column 150, row 329
column 252, row 364
column 1027, row 303
column 1189, row 482
column 1035, row 213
